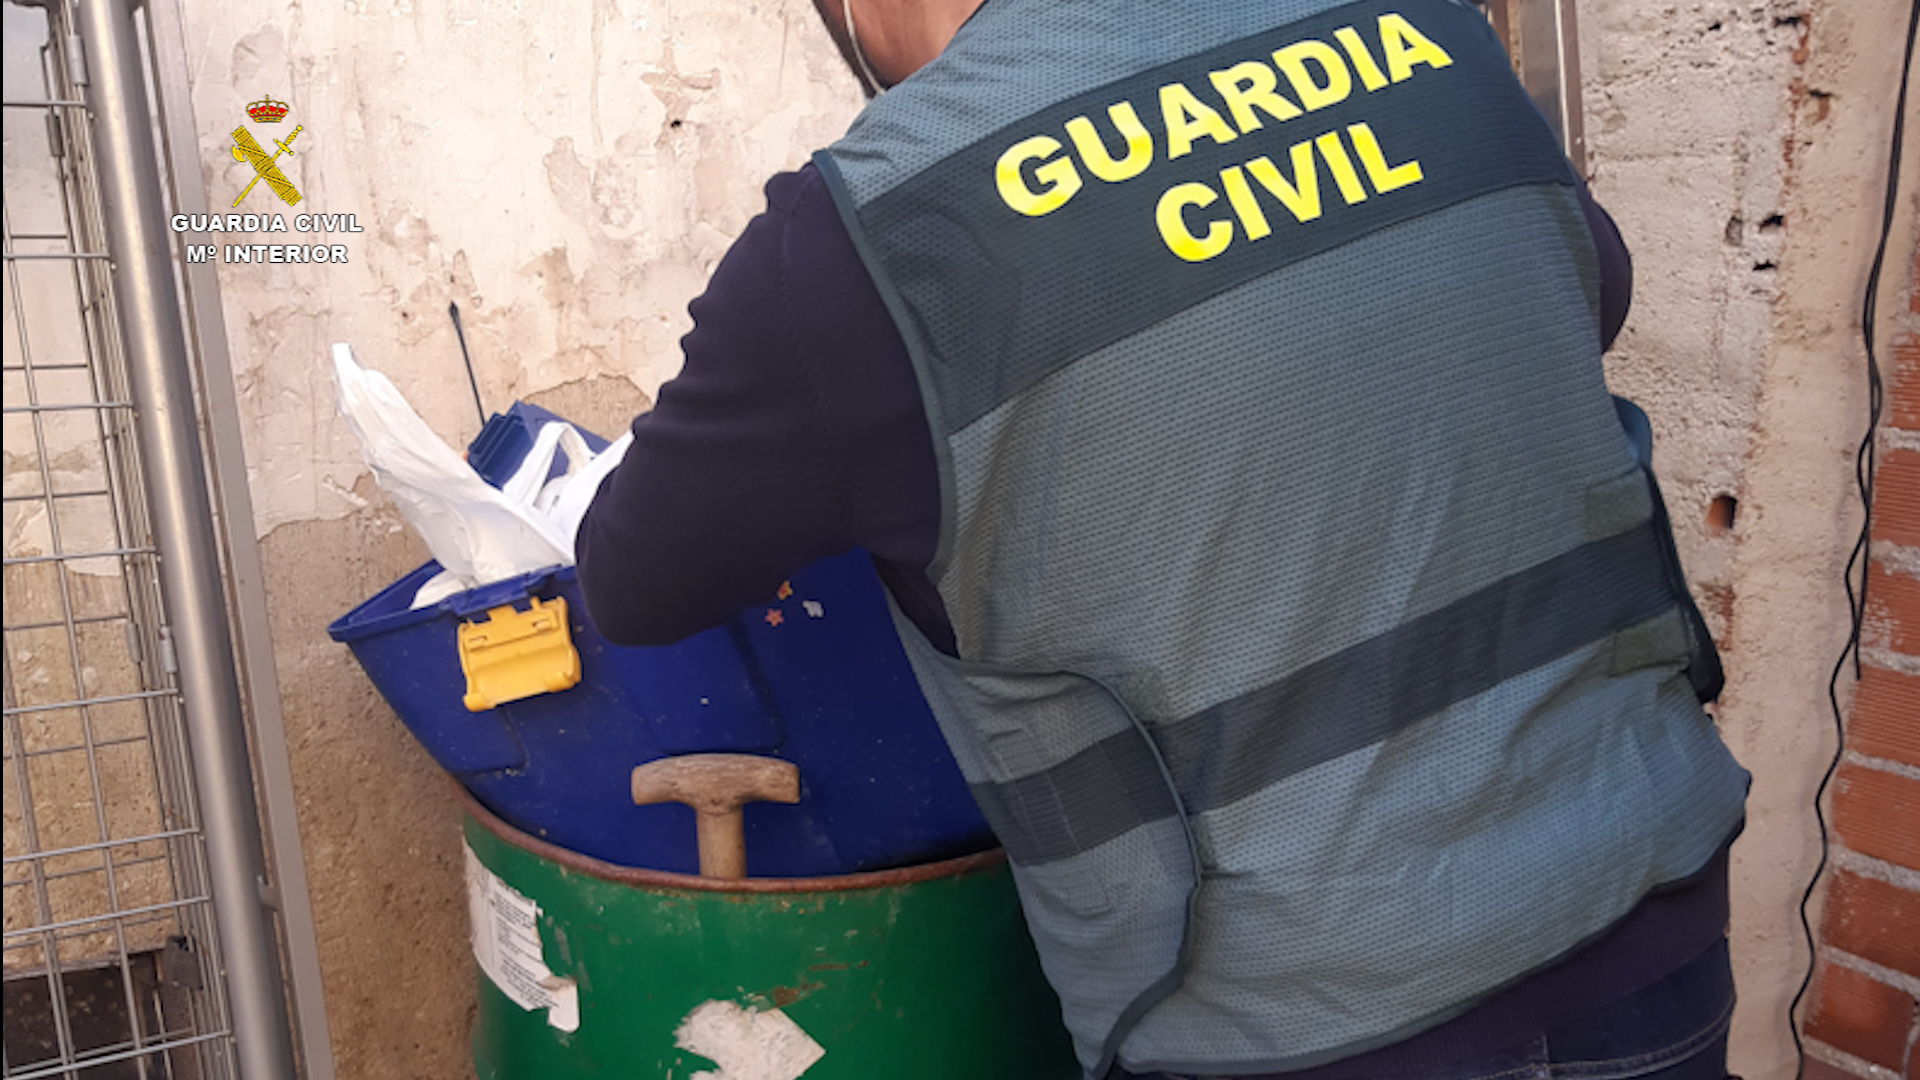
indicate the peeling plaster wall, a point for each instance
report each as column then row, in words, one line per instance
column 1742, row 149
column 568, row 174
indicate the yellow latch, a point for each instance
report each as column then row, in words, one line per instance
column 517, row 654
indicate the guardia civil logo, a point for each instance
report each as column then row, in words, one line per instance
column 247, row 148
column 261, row 218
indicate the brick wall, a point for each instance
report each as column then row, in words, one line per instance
column 1864, row 1016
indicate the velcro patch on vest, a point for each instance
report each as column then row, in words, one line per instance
column 1094, row 218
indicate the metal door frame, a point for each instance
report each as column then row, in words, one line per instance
column 1543, row 39
column 169, row 385
column 246, row 581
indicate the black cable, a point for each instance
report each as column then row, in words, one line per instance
column 1859, row 559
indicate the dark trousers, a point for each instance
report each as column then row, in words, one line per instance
column 1675, row 1029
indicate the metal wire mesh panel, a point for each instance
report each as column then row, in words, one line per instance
column 111, row 965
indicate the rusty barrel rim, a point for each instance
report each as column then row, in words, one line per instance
column 667, row 879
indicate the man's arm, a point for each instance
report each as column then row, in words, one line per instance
column 793, row 432
column 1616, row 268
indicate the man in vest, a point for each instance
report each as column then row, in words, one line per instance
column 1217, row 388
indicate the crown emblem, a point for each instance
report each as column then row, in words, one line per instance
column 267, row 110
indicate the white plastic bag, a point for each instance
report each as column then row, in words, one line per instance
column 529, row 481
column 568, row 497
column 563, row 500
column 477, row 533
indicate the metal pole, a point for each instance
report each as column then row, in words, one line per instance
column 1544, row 41
column 260, row 685
column 154, row 342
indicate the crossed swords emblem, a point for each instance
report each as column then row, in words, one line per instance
column 246, row 149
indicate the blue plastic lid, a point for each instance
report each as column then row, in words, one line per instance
column 392, row 608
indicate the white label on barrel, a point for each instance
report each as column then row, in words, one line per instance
column 506, row 944
column 747, row 1044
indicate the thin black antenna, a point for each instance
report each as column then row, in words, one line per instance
column 453, row 309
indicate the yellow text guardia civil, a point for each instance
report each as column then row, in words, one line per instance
column 1318, row 73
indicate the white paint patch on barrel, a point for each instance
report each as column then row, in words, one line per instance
column 747, row 1044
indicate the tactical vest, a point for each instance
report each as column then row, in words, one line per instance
column 1320, row 665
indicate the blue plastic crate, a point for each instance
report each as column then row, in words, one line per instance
column 821, row 682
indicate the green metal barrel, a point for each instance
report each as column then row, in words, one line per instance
column 593, row 970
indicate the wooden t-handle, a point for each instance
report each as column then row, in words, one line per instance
column 716, row 786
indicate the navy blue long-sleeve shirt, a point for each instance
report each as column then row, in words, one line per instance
column 795, row 431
